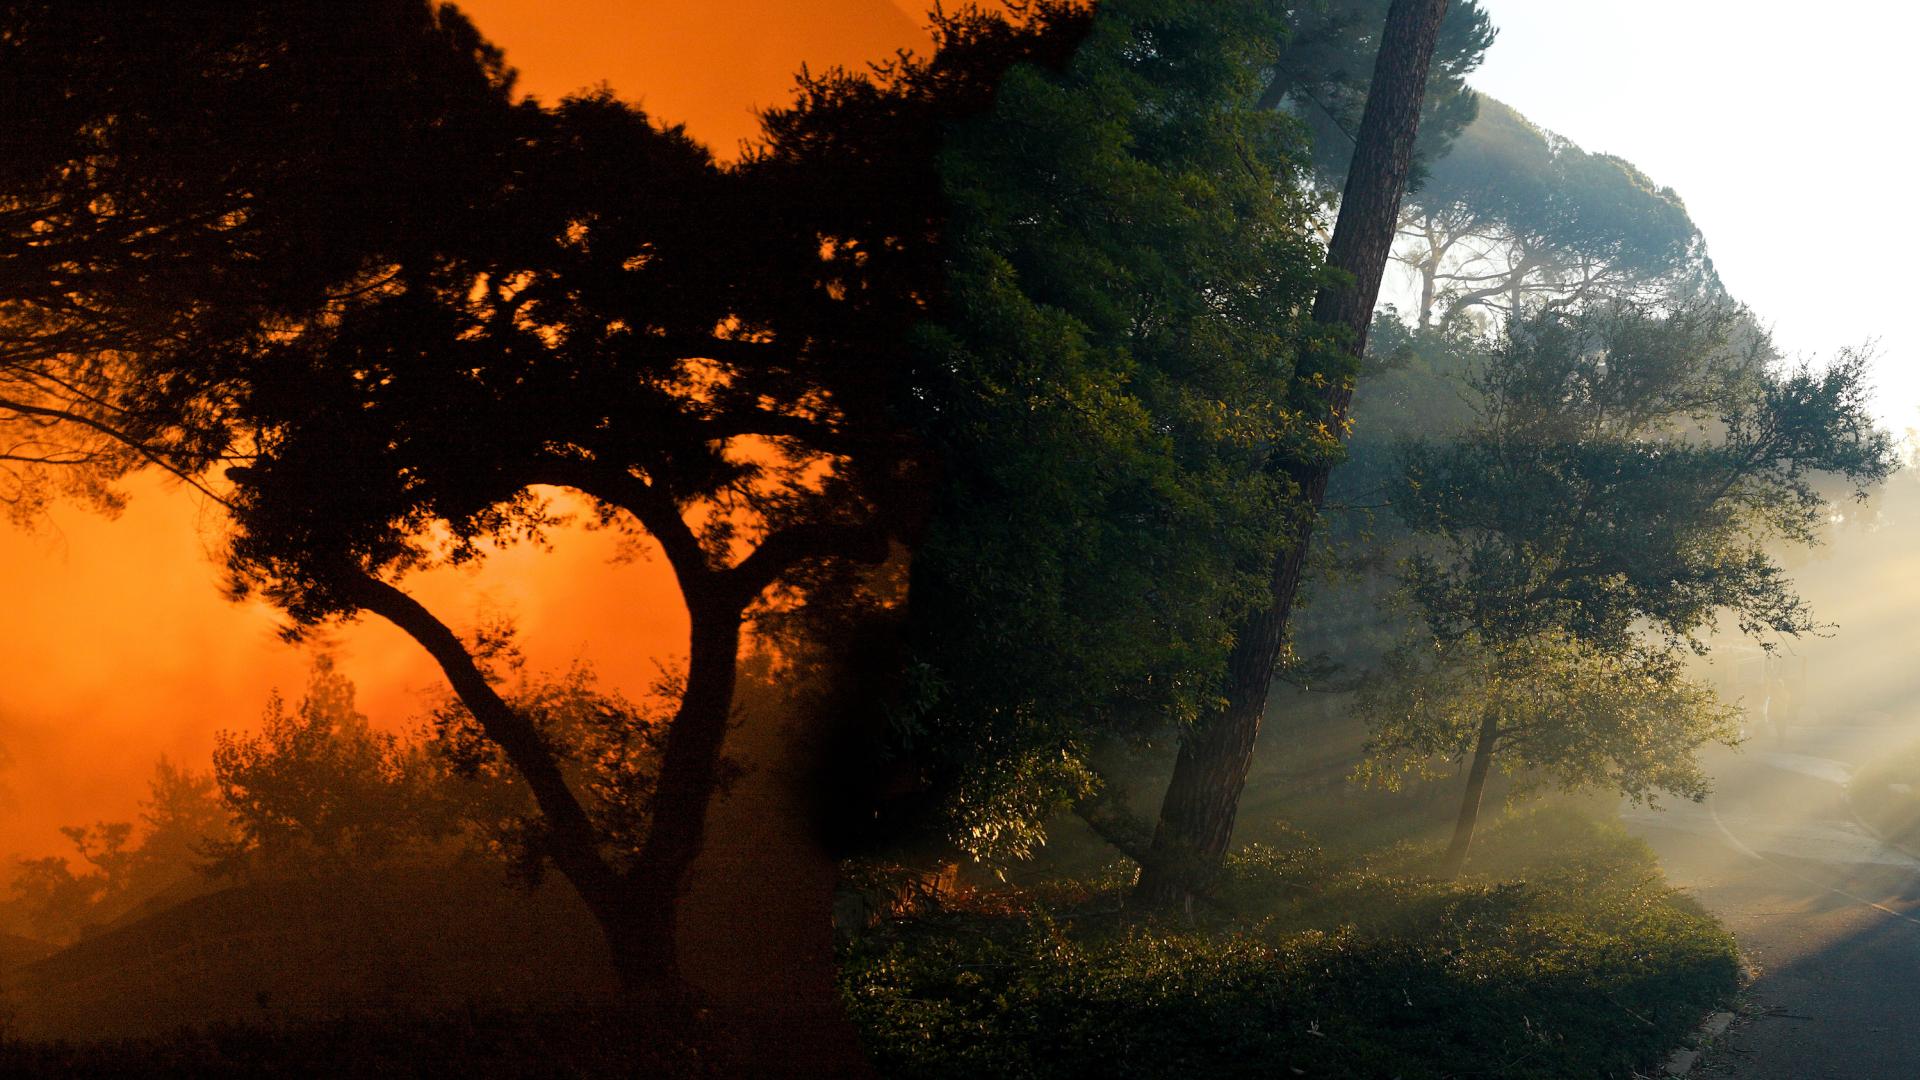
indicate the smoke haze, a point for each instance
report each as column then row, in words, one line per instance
column 117, row 645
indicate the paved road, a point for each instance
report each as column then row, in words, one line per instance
column 1829, row 916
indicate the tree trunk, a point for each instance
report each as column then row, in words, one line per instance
column 1429, row 286
column 800, row 1028
column 689, row 777
column 571, row 841
column 638, row 911
column 1456, row 856
column 1197, row 816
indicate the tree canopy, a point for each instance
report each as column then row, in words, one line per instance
column 1322, row 73
column 1620, row 493
column 1512, row 217
column 1129, row 259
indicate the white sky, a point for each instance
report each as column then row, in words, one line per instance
column 1788, row 129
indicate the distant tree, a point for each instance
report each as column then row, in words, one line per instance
column 183, row 819
column 1618, row 496
column 1547, row 709
column 122, row 866
column 317, row 786
column 318, row 789
column 1513, row 217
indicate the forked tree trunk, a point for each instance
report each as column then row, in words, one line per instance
column 638, row 909
column 635, row 909
column 1197, row 815
column 571, row 841
column 683, row 794
column 1456, row 856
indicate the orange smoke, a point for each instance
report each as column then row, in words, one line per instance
column 706, row 63
column 117, row 645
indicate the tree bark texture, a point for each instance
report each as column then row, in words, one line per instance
column 1203, row 797
column 1456, row 856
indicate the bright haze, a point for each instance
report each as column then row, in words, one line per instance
column 117, row 645
column 1786, row 128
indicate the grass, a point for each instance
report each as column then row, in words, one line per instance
column 1566, row 955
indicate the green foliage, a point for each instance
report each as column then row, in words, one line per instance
column 1128, row 260
column 1567, row 714
column 1628, row 471
column 1513, row 213
column 1620, row 492
column 1592, row 967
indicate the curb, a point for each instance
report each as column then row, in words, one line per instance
column 1682, row 1060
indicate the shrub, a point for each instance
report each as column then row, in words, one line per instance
column 1576, row 960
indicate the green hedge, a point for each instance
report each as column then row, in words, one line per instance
column 1582, row 964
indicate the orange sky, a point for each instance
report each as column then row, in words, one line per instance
column 116, row 645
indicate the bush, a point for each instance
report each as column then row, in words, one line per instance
column 1583, row 963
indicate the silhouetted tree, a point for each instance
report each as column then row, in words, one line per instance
column 317, row 786
column 187, row 178
column 568, row 297
column 123, row 866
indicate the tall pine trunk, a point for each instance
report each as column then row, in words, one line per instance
column 1197, row 815
column 1456, row 856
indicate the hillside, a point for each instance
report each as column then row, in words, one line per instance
column 402, row 940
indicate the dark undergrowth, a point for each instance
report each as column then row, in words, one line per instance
column 1564, row 954
column 593, row 1043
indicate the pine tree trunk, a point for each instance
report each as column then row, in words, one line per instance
column 1197, row 815
column 1456, row 856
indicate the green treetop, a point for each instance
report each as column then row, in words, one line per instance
column 1616, row 499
